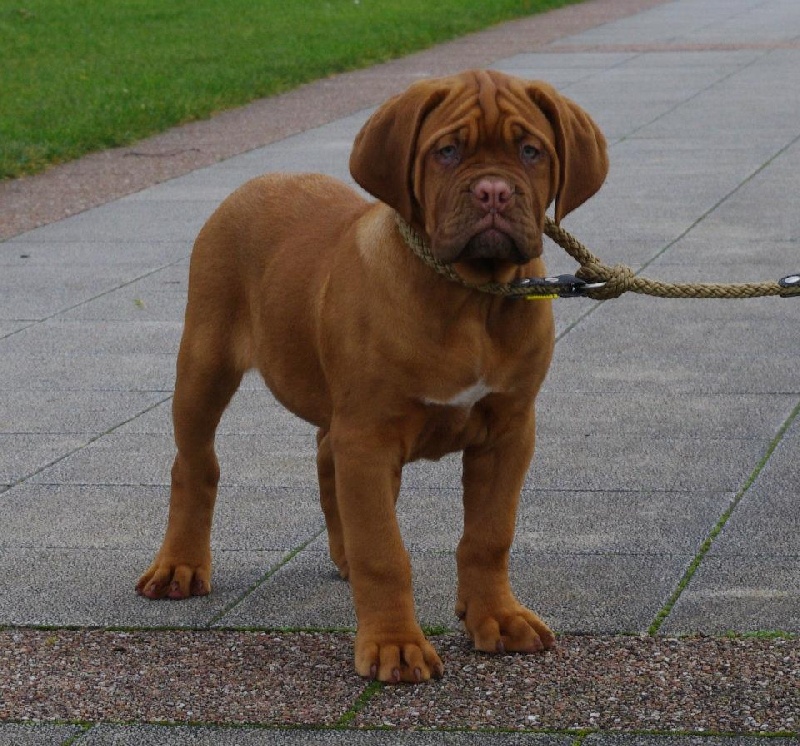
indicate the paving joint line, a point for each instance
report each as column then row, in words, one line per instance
column 705, row 547
column 91, row 439
column 263, row 579
column 723, row 78
column 721, row 201
column 37, row 322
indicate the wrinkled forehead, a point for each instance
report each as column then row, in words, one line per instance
column 486, row 108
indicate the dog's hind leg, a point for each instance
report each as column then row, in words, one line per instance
column 208, row 376
column 327, row 495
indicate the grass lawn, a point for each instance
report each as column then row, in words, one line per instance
column 83, row 75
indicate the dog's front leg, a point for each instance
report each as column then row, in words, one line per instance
column 493, row 479
column 390, row 644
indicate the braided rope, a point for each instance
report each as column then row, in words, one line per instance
column 620, row 278
column 617, row 279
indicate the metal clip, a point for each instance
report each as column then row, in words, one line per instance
column 790, row 282
column 558, row 286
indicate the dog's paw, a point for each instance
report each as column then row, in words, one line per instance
column 175, row 581
column 506, row 627
column 397, row 658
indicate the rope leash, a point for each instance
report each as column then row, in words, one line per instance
column 594, row 279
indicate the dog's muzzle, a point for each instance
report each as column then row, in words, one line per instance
column 492, row 244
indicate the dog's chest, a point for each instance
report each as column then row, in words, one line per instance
column 451, row 422
column 465, row 398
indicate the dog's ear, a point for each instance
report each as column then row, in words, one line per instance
column 384, row 151
column 580, row 146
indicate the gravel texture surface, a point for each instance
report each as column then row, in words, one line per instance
column 610, row 683
column 176, row 676
column 747, row 685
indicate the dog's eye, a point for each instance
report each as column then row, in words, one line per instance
column 529, row 153
column 448, row 155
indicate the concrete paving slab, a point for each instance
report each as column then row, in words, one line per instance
column 158, row 296
column 305, row 592
column 586, row 593
column 748, row 581
column 26, row 454
column 767, row 116
column 636, row 462
column 7, row 328
column 134, row 517
column 246, row 460
column 607, row 739
column 134, row 221
column 72, row 412
column 550, row 60
column 35, row 370
column 105, row 735
column 63, row 338
column 629, row 461
column 48, row 291
column 684, row 22
column 572, row 592
column 572, row 522
column 115, row 460
column 751, row 26
column 617, row 522
column 652, row 413
column 658, row 190
column 697, row 347
column 767, row 521
column 741, row 593
column 322, row 150
column 21, row 734
column 95, row 588
column 69, row 255
column 645, row 94
column 724, row 61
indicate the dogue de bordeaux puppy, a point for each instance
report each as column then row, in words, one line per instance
column 300, row 277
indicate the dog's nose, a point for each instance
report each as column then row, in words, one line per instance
column 493, row 195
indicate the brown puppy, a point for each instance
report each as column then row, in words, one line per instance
column 298, row 276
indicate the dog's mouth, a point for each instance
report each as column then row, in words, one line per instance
column 492, row 241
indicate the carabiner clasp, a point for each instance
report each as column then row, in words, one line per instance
column 557, row 286
column 790, row 283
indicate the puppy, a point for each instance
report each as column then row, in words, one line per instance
column 301, row 278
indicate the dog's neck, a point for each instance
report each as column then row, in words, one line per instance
column 421, row 249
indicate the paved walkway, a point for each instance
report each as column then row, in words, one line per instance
column 660, row 515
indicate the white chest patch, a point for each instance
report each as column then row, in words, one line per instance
column 466, row 398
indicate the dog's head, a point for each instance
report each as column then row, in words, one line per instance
column 473, row 161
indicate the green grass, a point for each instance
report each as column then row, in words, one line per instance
column 82, row 75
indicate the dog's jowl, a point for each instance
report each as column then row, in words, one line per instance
column 301, row 278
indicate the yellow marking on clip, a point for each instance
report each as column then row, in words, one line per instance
column 541, row 297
